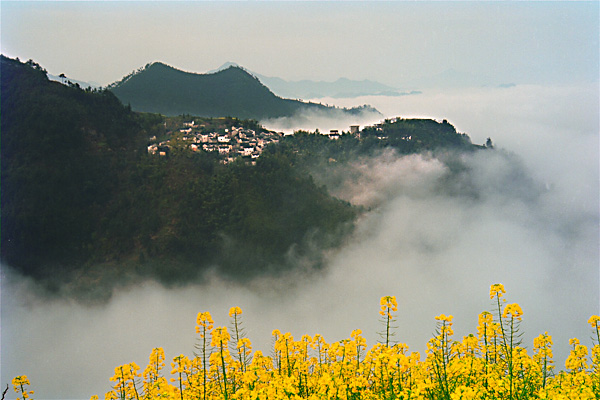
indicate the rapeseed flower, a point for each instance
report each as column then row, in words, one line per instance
column 235, row 311
column 594, row 321
column 514, row 310
column 497, row 289
column 388, row 304
column 204, row 322
column 443, row 317
column 19, row 384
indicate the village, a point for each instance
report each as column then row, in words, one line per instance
column 230, row 143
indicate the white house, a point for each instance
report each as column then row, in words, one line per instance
column 247, row 151
column 224, row 149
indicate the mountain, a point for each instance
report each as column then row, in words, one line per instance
column 159, row 88
column 308, row 89
column 62, row 148
column 226, row 66
column 341, row 88
column 65, row 80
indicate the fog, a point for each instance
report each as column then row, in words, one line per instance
column 525, row 215
column 310, row 120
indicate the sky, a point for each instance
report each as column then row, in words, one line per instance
column 532, row 226
column 390, row 42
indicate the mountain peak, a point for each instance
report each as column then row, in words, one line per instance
column 226, row 65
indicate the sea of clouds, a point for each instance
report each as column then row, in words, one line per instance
column 525, row 215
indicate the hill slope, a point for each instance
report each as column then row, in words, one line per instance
column 159, row 88
column 61, row 150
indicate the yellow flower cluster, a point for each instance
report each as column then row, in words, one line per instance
column 235, row 311
column 497, row 289
column 491, row 364
column 443, row 317
column 204, row 319
column 19, row 384
column 514, row 310
column 388, row 304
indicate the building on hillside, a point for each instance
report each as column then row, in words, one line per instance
column 224, row 149
column 246, row 151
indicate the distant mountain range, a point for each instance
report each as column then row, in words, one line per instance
column 233, row 91
column 342, row 87
column 307, row 89
column 66, row 79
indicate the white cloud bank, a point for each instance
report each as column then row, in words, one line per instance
column 528, row 220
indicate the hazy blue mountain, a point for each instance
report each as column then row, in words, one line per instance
column 82, row 84
column 308, row 89
column 343, row 87
column 159, row 88
column 227, row 65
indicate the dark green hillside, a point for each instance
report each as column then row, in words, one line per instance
column 159, row 88
column 416, row 135
column 83, row 202
column 405, row 136
column 62, row 149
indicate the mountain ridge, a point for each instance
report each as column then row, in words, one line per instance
column 310, row 89
column 160, row 88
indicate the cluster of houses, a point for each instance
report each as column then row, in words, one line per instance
column 230, row 143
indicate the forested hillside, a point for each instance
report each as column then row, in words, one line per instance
column 63, row 150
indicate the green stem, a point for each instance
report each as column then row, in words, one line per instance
column 224, row 372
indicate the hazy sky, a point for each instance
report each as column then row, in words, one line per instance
column 392, row 42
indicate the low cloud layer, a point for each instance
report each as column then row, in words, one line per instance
column 309, row 120
column 439, row 231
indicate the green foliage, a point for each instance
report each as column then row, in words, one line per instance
column 310, row 151
column 416, row 135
